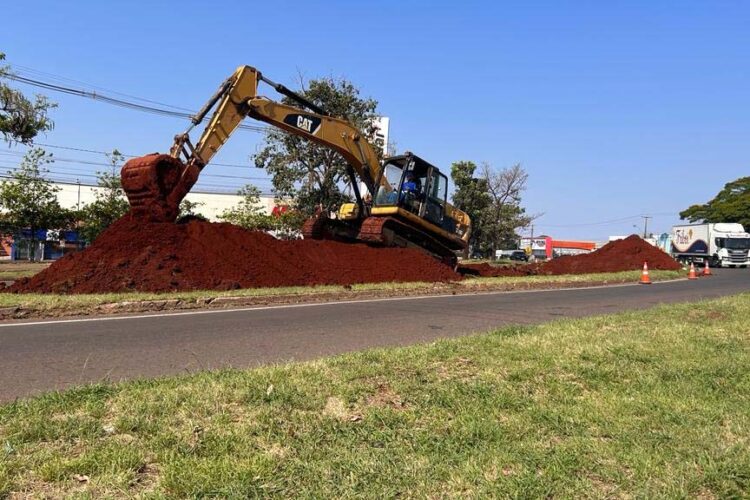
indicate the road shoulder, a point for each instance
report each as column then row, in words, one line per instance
column 15, row 307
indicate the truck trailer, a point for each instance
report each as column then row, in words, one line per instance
column 721, row 244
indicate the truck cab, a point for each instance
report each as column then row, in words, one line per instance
column 731, row 245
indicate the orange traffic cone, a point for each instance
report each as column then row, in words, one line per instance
column 707, row 269
column 691, row 273
column 645, row 280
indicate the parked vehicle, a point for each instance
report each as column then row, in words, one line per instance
column 519, row 255
column 722, row 244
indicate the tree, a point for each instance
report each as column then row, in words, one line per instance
column 493, row 201
column 471, row 196
column 311, row 173
column 21, row 119
column 505, row 216
column 249, row 214
column 110, row 202
column 189, row 210
column 731, row 204
column 29, row 201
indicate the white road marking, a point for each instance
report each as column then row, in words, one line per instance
column 314, row 304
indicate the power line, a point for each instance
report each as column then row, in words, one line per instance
column 198, row 189
column 63, row 79
column 74, row 178
column 71, row 171
column 83, row 150
column 612, row 221
column 115, row 101
column 88, row 162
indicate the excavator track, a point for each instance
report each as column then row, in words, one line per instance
column 314, row 228
column 388, row 231
column 321, row 227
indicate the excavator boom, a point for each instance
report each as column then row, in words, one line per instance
column 155, row 191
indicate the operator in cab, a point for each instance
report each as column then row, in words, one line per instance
column 411, row 184
column 410, row 191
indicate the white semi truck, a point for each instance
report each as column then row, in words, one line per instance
column 722, row 244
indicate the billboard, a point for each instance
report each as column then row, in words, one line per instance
column 538, row 246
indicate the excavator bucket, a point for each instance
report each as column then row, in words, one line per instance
column 155, row 185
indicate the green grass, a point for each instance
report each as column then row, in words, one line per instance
column 52, row 302
column 647, row 404
column 12, row 270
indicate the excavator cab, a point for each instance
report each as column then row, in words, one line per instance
column 411, row 183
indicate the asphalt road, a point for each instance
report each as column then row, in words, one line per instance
column 45, row 355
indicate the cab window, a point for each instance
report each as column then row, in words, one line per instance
column 439, row 187
column 388, row 190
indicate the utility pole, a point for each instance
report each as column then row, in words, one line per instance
column 78, row 181
column 531, row 241
column 645, row 225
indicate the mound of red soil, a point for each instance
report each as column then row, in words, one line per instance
column 620, row 255
column 156, row 257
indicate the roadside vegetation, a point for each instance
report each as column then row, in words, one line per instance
column 12, row 270
column 37, row 305
column 642, row 404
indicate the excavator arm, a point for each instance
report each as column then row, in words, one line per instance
column 240, row 99
column 155, row 189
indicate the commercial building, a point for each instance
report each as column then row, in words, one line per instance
column 74, row 195
column 545, row 247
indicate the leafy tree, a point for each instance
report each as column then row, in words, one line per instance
column 29, row 201
column 249, row 214
column 311, row 173
column 21, row 119
column 505, row 216
column 189, row 210
column 493, row 201
column 732, row 204
column 472, row 197
column 110, row 202
column 287, row 225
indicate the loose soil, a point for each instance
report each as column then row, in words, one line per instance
column 621, row 255
column 132, row 255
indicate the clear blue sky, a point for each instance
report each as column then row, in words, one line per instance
column 614, row 108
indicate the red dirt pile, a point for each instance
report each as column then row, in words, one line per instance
column 197, row 255
column 621, row 255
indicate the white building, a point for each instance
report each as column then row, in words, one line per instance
column 73, row 196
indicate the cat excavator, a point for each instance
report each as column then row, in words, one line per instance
column 401, row 201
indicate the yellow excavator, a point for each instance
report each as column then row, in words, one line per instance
column 403, row 203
